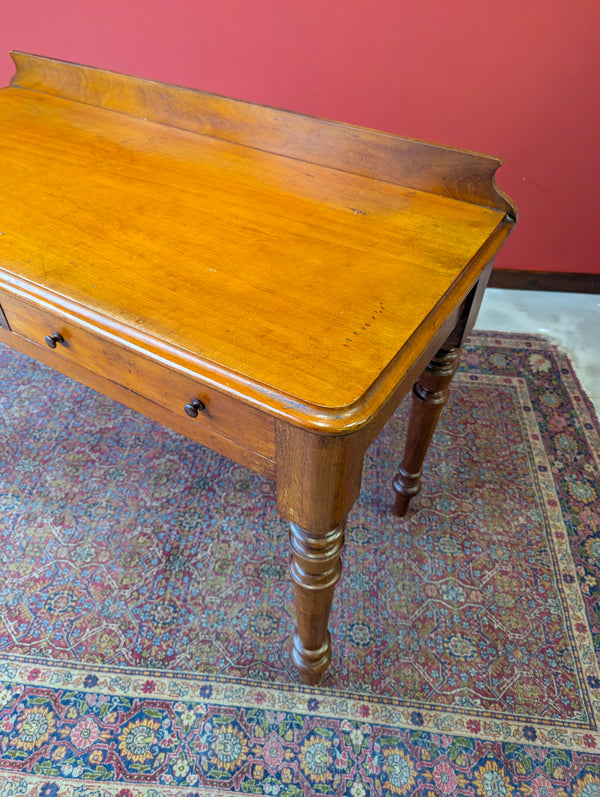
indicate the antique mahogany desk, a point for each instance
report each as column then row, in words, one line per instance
column 268, row 284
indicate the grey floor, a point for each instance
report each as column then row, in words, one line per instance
column 571, row 320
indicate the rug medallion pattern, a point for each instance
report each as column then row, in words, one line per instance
column 146, row 614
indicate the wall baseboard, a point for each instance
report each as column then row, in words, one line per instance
column 544, row 281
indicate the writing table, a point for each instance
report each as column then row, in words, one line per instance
column 266, row 283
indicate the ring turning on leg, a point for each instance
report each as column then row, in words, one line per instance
column 430, row 394
column 315, row 569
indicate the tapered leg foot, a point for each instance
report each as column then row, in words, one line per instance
column 311, row 664
column 406, row 486
column 315, row 569
column 430, row 394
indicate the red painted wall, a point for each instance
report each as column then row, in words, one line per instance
column 521, row 80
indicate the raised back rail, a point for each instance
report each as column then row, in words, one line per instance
column 403, row 161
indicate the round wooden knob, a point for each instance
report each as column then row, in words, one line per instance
column 194, row 407
column 53, row 339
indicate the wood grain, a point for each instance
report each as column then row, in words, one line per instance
column 103, row 384
column 311, row 290
column 371, row 153
column 152, row 380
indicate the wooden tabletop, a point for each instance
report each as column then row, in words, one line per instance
column 258, row 268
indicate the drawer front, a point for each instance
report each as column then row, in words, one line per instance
column 166, row 387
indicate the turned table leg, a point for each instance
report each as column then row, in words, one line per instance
column 430, row 394
column 315, row 568
column 318, row 481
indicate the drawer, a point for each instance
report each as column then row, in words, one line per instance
column 172, row 390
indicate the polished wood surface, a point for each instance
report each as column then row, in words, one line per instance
column 158, row 383
column 172, row 212
column 267, row 283
column 440, row 170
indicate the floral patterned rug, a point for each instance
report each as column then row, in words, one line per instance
column 146, row 614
